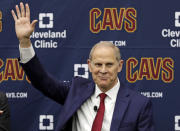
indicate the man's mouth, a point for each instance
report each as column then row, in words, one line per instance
column 103, row 78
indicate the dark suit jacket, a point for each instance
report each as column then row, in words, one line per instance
column 5, row 117
column 133, row 112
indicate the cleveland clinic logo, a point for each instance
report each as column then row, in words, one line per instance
column 42, row 17
column 177, row 19
column 46, row 122
column 173, row 34
column 47, row 37
column 177, row 123
column 81, row 70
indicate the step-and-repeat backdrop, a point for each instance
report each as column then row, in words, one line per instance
column 146, row 31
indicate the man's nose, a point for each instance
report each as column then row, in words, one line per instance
column 103, row 69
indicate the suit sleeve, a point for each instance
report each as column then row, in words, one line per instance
column 145, row 122
column 5, row 117
column 44, row 82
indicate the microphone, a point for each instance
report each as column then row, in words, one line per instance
column 95, row 108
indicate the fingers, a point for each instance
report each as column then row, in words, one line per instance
column 14, row 15
column 18, row 12
column 22, row 10
column 21, row 13
column 27, row 11
column 34, row 23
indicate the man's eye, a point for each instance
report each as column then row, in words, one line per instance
column 109, row 64
column 98, row 64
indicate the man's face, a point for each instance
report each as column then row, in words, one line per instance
column 104, row 67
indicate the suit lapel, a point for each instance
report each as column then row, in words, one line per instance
column 121, row 105
column 83, row 96
column 74, row 103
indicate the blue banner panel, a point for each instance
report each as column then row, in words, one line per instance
column 147, row 32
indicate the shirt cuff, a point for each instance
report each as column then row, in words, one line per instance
column 26, row 54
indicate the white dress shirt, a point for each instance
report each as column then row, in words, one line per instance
column 26, row 54
column 85, row 115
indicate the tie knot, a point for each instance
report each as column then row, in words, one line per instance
column 102, row 96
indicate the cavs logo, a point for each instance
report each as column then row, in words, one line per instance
column 113, row 19
column 0, row 21
column 10, row 70
column 148, row 69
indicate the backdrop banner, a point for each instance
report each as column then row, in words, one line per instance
column 147, row 32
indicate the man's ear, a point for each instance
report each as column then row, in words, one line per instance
column 89, row 65
column 120, row 65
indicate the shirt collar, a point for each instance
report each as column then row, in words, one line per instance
column 112, row 93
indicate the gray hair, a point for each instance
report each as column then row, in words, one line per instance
column 106, row 44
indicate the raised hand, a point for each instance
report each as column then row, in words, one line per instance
column 23, row 27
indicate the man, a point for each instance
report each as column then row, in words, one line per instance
column 4, row 113
column 102, row 105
